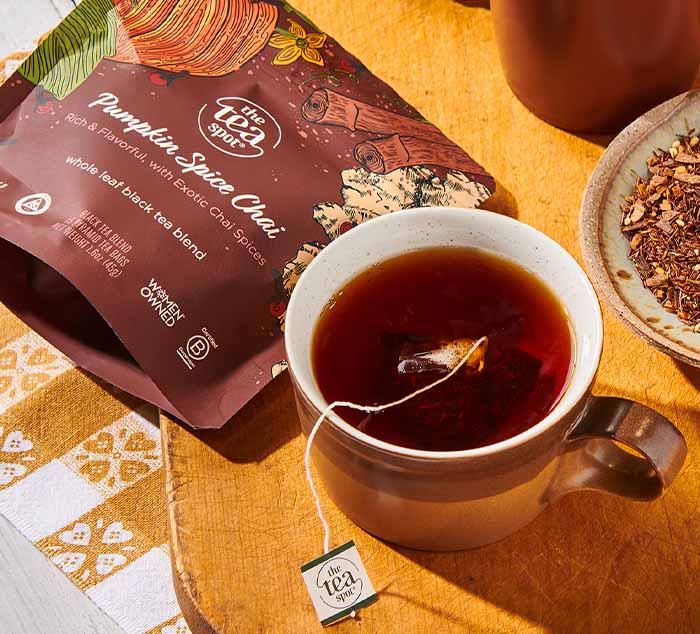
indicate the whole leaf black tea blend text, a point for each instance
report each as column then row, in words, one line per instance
column 168, row 169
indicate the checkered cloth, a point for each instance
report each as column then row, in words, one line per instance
column 81, row 476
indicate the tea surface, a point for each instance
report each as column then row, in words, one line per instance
column 444, row 293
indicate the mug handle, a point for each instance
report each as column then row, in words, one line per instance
column 621, row 447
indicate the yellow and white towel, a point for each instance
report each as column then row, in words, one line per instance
column 81, row 476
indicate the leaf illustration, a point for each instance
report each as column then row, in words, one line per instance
column 288, row 7
column 71, row 52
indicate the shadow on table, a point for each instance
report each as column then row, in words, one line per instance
column 591, row 562
column 265, row 424
column 484, row 4
column 580, row 567
column 602, row 139
column 502, row 202
column 689, row 372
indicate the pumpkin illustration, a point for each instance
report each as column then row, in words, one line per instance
column 197, row 37
column 210, row 37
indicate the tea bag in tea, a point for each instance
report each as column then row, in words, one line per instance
column 441, row 355
column 477, row 350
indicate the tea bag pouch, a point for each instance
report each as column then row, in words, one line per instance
column 337, row 580
column 338, row 583
column 440, row 355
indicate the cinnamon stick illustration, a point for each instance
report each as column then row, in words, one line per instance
column 382, row 156
column 331, row 108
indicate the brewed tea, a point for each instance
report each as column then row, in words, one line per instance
column 444, row 294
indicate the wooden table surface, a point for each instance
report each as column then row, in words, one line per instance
column 242, row 518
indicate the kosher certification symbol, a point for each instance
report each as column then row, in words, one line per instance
column 33, row 204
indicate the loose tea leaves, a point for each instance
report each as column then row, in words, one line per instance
column 661, row 219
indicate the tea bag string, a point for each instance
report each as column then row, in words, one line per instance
column 367, row 409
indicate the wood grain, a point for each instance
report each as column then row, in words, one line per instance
column 242, row 518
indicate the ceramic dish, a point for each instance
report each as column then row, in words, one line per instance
column 604, row 247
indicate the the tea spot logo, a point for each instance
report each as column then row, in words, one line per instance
column 33, row 204
column 239, row 127
column 339, row 583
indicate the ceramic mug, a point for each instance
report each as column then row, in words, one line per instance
column 592, row 64
column 451, row 500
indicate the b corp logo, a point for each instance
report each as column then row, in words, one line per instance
column 197, row 347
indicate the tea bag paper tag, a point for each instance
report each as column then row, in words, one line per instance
column 338, row 584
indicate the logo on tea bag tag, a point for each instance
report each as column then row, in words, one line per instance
column 239, row 127
column 33, row 204
column 338, row 583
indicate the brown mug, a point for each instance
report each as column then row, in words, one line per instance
column 595, row 65
column 450, row 500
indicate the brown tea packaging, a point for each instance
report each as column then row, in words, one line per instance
column 169, row 168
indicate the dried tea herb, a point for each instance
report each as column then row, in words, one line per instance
column 661, row 219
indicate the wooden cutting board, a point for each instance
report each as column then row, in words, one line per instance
column 241, row 517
